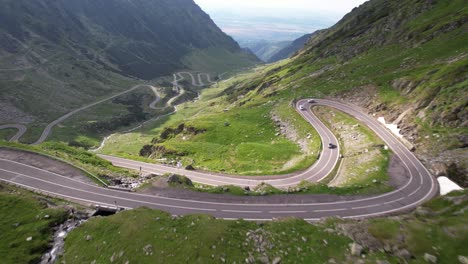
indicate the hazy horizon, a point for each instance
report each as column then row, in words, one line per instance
column 275, row 20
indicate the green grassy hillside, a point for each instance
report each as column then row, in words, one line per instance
column 214, row 133
column 147, row 236
column 403, row 60
column 22, row 216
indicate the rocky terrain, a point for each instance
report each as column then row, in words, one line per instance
column 56, row 56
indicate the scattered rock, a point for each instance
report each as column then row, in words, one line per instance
column 263, row 260
column 356, row 249
column 16, row 224
column 46, row 216
column 430, row 258
column 88, row 238
column 148, row 249
column 423, row 211
column 387, row 248
column 463, row 259
column 29, row 239
column 439, row 169
column 403, row 254
column 277, row 260
column 189, row 167
column 382, row 262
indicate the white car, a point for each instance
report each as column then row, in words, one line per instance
column 302, row 107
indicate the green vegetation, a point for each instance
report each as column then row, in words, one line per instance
column 420, row 66
column 215, row 134
column 6, row 134
column 146, row 236
column 197, row 239
column 437, row 228
column 22, row 216
column 88, row 128
column 77, row 53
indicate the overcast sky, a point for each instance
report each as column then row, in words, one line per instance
column 275, row 20
column 334, row 8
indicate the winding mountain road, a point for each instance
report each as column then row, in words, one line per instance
column 419, row 187
column 21, row 130
column 48, row 129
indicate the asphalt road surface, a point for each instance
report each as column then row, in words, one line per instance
column 420, row 186
column 48, row 129
column 21, row 130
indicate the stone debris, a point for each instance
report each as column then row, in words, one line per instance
column 148, row 250
column 463, row 259
column 356, row 249
column 430, row 258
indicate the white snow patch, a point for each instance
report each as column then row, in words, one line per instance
column 447, row 186
column 394, row 128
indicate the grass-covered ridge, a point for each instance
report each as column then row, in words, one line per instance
column 217, row 134
column 147, row 236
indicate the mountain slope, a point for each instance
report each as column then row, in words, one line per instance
column 145, row 39
column 265, row 49
column 405, row 61
column 290, row 49
column 56, row 56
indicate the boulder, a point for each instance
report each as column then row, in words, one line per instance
column 430, row 258
column 463, row 259
column 356, row 249
column 423, row 211
column 276, row 260
column 403, row 254
column 148, row 250
column 179, row 180
column 439, row 169
column 382, row 262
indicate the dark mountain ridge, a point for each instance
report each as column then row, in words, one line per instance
column 60, row 55
column 290, row 49
column 146, row 39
